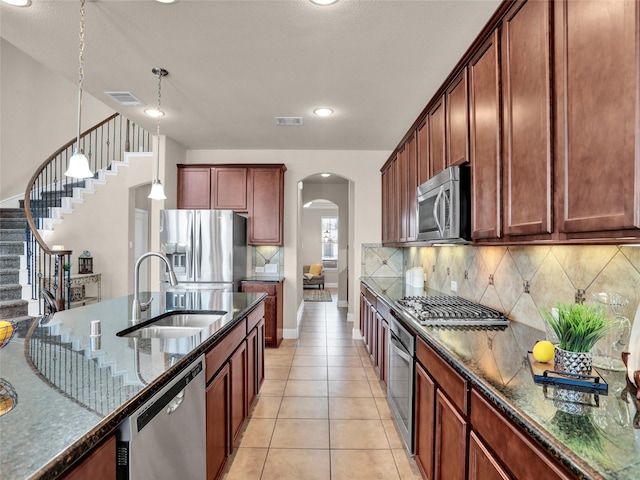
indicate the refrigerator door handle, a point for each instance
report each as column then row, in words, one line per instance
column 198, row 246
column 189, row 252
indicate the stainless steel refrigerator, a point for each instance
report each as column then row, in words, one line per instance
column 207, row 249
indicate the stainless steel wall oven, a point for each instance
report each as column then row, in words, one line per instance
column 401, row 378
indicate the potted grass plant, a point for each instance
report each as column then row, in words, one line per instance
column 578, row 327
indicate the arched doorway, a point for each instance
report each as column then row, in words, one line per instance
column 324, row 227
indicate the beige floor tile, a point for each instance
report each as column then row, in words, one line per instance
column 393, row 437
column 358, row 434
column 298, row 464
column 309, row 361
column 346, row 373
column 271, row 388
column 306, row 388
column 349, row 388
column 342, row 361
column 300, row 433
column 363, row 465
column 304, row 407
column 266, row 407
column 311, row 351
column 279, row 360
column 308, row 373
column 377, row 389
column 312, row 342
column 383, row 408
column 258, row 433
column 407, row 467
column 345, row 351
column 340, row 342
column 246, row 464
column 278, row 352
column 276, row 373
column 353, row 408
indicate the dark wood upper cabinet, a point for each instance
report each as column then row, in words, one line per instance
column 386, row 205
column 437, row 139
column 229, row 188
column 485, row 138
column 457, row 124
column 597, row 90
column 265, row 197
column 527, row 125
column 422, row 151
column 194, row 187
column 402, row 194
column 255, row 189
column 412, row 184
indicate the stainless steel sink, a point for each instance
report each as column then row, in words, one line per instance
column 165, row 331
column 177, row 325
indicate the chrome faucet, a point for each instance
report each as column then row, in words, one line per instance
column 137, row 307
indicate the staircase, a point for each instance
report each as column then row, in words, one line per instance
column 13, row 224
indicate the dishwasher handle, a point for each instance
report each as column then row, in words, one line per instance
column 175, row 403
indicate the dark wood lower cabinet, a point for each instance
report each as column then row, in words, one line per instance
column 255, row 362
column 425, row 395
column 238, row 376
column 218, row 439
column 273, row 306
column 450, row 439
column 482, row 464
column 99, row 464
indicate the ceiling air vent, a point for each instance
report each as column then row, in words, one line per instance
column 288, row 121
column 125, row 98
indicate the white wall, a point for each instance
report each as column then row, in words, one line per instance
column 38, row 114
column 362, row 167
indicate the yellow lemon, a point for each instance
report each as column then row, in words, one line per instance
column 543, row 351
column 6, row 330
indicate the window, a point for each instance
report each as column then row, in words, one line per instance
column 329, row 242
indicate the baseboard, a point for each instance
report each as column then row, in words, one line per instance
column 12, row 202
column 356, row 334
column 343, row 304
column 350, row 317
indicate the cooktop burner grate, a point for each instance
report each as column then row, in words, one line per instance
column 451, row 310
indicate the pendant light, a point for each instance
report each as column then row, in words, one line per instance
column 78, row 163
column 157, row 191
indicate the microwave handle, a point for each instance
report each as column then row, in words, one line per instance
column 436, row 211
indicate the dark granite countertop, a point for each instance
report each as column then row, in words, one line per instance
column 265, row 278
column 71, row 396
column 594, row 438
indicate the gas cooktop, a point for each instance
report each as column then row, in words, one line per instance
column 451, row 311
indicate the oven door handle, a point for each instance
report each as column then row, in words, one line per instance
column 436, row 211
column 399, row 350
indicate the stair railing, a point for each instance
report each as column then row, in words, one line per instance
column 49, row 268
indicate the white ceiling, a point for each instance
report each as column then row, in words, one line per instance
column 235, row 65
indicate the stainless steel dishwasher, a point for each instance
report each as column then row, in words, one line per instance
column 166, row 437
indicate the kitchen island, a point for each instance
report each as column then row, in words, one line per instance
column 505, row 421
column 74, row 390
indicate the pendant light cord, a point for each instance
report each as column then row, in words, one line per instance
column 80, row 71
column 160, row 75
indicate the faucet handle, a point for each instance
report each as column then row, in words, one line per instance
column 145, row 305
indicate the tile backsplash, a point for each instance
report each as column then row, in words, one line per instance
column 519, row 280
column 271, row 259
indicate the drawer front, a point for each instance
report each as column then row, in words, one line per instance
column 255, row 316
column 450, row 381
column 520, row 455
column 218, row 355
column 269, row 288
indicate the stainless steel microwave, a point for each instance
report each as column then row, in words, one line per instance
column 444, row 207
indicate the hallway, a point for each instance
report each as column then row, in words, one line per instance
column 321, row 413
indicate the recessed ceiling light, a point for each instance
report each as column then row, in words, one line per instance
column 323, row 111
column 166, row 1
column 324, row 2
column 17, row 3
column 325, row 175
column 154, row 112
